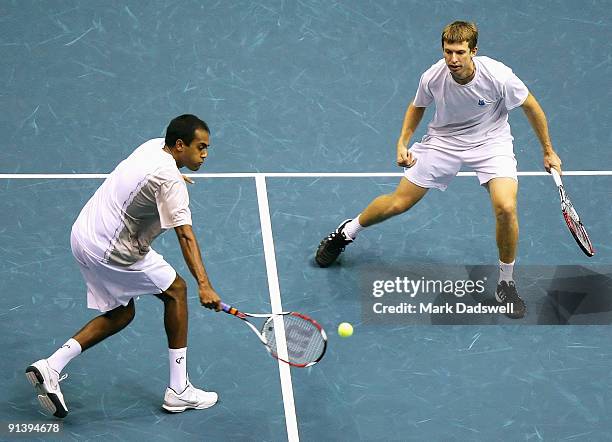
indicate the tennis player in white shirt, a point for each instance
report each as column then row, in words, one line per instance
column 472, row 96
column 111, row 243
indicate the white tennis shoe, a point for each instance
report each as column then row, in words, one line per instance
column 46, row 382
column 191, row 397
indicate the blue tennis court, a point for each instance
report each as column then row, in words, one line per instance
column 305, row 100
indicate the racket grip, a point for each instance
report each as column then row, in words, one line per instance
column 556, row 177
column 232, row 311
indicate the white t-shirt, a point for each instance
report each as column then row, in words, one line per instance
column 472, row 114
column 141, row 198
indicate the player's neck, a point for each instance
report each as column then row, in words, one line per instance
column 469, row 78
column 171, row 152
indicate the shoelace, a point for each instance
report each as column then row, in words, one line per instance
column 193, row 394
column 60, row 379
column 335, row 234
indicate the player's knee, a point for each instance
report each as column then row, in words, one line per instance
column 129, row 313
column 178, row 289
column 399, row 204
column 505, row 210
column 123, row 315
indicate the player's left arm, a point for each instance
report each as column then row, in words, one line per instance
column 537, row 118
column 193, row 258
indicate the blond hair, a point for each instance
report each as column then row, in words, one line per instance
column 460, row 31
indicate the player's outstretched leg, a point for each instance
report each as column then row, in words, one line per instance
column 180, row 394
column 406, row 195
column 503, row 198
column 44, row 374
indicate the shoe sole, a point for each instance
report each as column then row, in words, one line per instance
column 48, row 401
column 172, row 409
column 323, row 264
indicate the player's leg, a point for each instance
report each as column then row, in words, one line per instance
column 503, row 192
column 180, row 394
column 406, row 195
column 175, row 313
column 495, row 166
column 435, row 167
column 503, row 198
column 44, row 374
column 105, row 325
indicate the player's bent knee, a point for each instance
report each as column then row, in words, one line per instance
column 130, row 311
column 400, row 206
column 128, row 316
column 505, row 210
column 406, row 195
column 122, row 315
column 401, row 203
column 178, row 289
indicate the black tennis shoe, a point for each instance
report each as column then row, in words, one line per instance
column 332, row 246
column 506, row 294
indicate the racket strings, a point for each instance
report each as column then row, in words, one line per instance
column 568, row 208
column 576, row 227
column 574, row 224
column 305, row 343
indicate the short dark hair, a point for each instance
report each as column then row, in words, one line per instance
column 460, row 31
column 183, row 127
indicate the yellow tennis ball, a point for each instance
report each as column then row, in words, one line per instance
column 345, row 330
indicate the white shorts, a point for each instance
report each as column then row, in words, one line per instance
column 109, row 286
column 437, row 166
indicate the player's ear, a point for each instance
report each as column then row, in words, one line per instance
column 474, row 50
column 180, row 146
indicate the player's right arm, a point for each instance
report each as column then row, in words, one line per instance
column 411, row 121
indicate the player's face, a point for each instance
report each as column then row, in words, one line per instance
column 458, row 57
column 194, row 154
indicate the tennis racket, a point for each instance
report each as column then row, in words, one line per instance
column 572, row 219
column 306, row 340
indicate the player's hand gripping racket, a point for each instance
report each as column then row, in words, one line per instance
column 306, row 339
column 572, row 219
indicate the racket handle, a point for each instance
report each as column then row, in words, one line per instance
column 232, row 311
column 556, row 177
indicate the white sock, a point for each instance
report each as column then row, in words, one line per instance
column 505, row 271
column 58, row 360
column 178, row 369
column 353, row 227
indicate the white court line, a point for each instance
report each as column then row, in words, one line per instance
column 275, row 300
column 284, row 175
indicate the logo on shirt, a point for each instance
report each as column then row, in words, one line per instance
column 481, row 102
